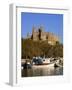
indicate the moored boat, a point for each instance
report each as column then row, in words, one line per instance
column 26, row 65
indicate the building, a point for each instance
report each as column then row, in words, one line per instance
column 40, row 34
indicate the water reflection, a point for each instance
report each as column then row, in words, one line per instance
column 47, row 71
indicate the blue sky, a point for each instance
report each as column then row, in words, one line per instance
column 51, row 23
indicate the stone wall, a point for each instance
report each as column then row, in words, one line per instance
column 41, row 35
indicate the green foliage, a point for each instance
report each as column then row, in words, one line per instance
column 32, row 48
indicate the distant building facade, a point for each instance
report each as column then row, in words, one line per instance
column 40, row 34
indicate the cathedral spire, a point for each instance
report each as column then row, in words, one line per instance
column 41, row 28
column 33, row 29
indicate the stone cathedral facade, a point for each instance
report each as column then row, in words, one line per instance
column 40, row 34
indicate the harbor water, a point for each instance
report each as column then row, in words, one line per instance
column 42, row 71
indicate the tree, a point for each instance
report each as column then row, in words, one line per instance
column 32, row 48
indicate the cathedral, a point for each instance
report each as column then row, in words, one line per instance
column 40, row 34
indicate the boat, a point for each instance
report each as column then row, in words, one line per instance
column 26, row 65
column 51, row 64
column 42, row 61
column 46, row 61
column 56, row 65
column 37, row 61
